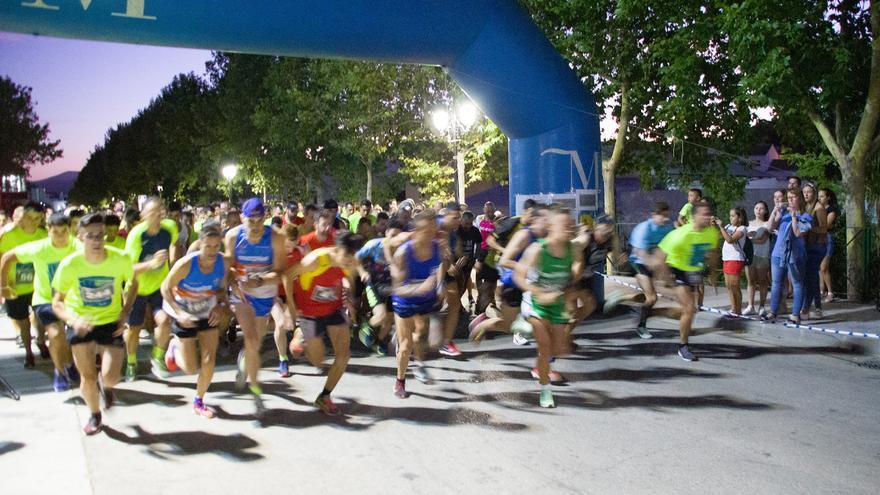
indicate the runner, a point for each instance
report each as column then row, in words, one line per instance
column 376, row 332
column 114, row 240
column 485, row 273
column 45, row 255
column 644, row 240
column 588, row 292
column 546, row 269
column 194, row 295
column 456, row 262
column 89, row 298
column 150, row 245
column 257, row 254
column 317, row 295
column 684, row 251
column 24, row 230
column 284, row 322
column 470, row 239
column 416, row 272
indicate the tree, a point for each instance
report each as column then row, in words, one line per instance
column 24, row 142
column 818, row 61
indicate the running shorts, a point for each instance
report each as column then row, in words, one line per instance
column 139, row 309
column 101, row 335
column 689, row 279
column 188, row 333
column 19, row 308
column 262, row 305
column 511, row 296
column 316, row 326
column 46, row 314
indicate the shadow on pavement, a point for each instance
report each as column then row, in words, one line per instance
column 183, row 443
column 7, row 447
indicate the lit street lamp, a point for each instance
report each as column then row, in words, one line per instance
column 453, row 124
column 229, row 171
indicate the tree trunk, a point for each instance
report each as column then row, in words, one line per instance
column 854, row 205
column 609, row 168
column 369, row 183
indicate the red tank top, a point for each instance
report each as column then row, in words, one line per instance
column 318, row 293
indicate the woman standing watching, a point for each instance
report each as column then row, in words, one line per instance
column 758, row 273
column 733, row 254
column 789, row 256
column 829, row 201
column 817, row 240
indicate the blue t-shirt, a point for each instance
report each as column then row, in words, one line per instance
column 373, row 251
column 788, row 247
column 646, row 236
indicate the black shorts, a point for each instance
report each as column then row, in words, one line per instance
column 19, row 308
column 139, row 309
column 379, row 294
column 511, row 296
column 487, row 274
column 316, row 326
column 687, row 279
column 189, row 333
column 101, row 335
column 642, row 269
column 45, row 314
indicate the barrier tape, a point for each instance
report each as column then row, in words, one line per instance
column 722, row 312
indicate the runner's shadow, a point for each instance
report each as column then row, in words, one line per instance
column 184, row 443
column 426, row 415
column 133, row 397
column 7, row 447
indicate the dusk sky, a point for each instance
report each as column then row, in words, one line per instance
column 83, row 88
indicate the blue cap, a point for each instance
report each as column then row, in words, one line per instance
column 253, row 208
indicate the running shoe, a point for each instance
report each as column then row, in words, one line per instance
column 750, row 311
column 381, row 349
column 61, row 383
column 93, row 425
column 420, row 372
column 283, row 369
column 684, row 352
column 450, row 349
column 547, row 398
column 612, row 301
column 829, row 297
column 44, row 350
column 555, row 376
column 643, row 332
column 240, row 372
column 762, row 311
column 366, row 336
column 131, row 370
column 29, row 361
column 400, row 390
column 518, row 339
column 259, row 407
column 326, row 405
column 170, row 363
column 158, row 368
column 472, row 326
column 200, row 409
column 72, row 373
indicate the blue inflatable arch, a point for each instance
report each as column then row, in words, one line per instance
column 491, row 48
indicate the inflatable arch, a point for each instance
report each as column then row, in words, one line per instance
column 491, row 48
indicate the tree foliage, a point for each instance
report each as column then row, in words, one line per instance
column 24, row 142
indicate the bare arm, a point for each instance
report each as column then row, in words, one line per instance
column 516, row 245
column 178, row 273
column 521, row 276
column 6, row 261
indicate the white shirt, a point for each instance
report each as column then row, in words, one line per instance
column 735, row 251
column 761, row 250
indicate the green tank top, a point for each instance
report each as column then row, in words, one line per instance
column 552, row 274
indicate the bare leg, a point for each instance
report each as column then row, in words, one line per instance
column 111, row 365
column 58, row 347
column 545, row 346
column 84, row 357
column 341, row 342
column 208, row 340
column 404, row 328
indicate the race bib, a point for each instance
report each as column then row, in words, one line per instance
column 24, row 273
column 325, row 294
column 96, row 291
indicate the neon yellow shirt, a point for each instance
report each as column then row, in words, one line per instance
column 45, row 258
column 118, row 243
column 687, row 211
column 686, row 248
column 94, row 291
column 21, row 275
column 141, row 247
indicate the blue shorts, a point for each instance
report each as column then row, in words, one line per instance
column 46, row 314
column 139, row 309
column 405, row 310
column 262, row 305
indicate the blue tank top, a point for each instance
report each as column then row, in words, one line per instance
column 251, row 260
column 197, row 292
column 506, row 273
column 416, row 272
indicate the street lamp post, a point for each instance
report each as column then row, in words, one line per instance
column 229, row 172
column 453, row 124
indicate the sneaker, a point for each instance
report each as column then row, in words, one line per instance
column 420, row 372
column 450, row 349
column 158, row 368
column 829, row 297
column 131, row 370
column 472, row 326
column 283, row 369
column 200, row 409
column 326, row 405
column 518, row 339
column 400, row 390
column 72, row 373
column 643, row 332
column 555, row 376
column 93, row 425
column 381, row 349
column 612, row 301
column 170, row 363
column 750, row 311
column 366, row 335
column 259, row 407
column 762, row 311
column 61, row 383
column 44, row 351
column 547, row 398
column 240, row 372
column 685, row 353
column 29, row 361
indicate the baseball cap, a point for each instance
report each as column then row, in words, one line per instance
column 407, row 205
column 253, row 208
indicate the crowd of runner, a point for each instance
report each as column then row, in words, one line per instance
column 399, row 279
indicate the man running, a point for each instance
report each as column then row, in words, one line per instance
column 194, row 295
column 45, row 255
column 546, row 269
column 22, row 231
column 684, row 251
column 456, row 263
column 89, row 298
column 150, row 245
column 284, row 321
column 114, row 240
column 417, row 273
column 375, row 254
column 257, row 254
column 319, row 300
